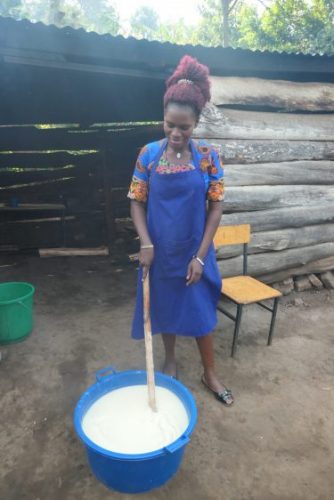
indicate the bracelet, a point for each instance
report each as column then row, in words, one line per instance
column 198, row 259
column 144, row 247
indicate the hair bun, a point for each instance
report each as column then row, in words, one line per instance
column 189, row 73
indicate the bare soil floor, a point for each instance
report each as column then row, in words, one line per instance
column 277, row 442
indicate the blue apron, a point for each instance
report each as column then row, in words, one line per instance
column 176, row 217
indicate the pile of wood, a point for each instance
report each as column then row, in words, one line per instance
column 277, row 141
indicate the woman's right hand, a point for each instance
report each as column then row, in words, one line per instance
column 146, row 256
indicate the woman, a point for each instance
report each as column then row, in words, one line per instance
column 173, row 180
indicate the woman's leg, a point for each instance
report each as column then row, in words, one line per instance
column 170, row 362
column 205, row 346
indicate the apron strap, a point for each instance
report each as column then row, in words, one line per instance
column 158, row 156
column 195, row 155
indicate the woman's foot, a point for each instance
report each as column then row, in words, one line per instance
column 221, row 393
column 169, row 368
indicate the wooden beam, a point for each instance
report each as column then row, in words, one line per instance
column 51, row 160
column 109, row 208
column 72, row 252
column 282, row 239
column 236, row 124
column 279, row 218
column 283, row 173
column 261, row 151
column 281, row 94
column 28, row 138
column 246, row 198
column 270, row 262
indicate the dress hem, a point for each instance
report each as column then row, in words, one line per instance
column 178, row 334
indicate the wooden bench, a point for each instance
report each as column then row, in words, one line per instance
column 244, row 290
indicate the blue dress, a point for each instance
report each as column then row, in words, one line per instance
column 176, row 217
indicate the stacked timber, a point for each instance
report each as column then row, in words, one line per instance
column 277, row 143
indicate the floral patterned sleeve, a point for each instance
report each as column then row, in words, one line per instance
column 215, row 190
column 139, row 184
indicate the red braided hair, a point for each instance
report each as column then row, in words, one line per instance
column 189, row 85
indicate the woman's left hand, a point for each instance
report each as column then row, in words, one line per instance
column 194, row 273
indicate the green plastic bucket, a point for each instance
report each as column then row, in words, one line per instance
column 16, row 300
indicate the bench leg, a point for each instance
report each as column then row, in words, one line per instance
column 272, row 323
column 236, row 330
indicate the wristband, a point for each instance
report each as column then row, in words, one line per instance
column 199, row 260
column 144, row 247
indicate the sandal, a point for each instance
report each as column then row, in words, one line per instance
column 224, row 397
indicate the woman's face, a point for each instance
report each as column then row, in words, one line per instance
column 179, row 123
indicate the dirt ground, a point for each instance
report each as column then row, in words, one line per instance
column 277, row 442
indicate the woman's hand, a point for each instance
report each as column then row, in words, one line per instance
column 194, row 273
column 146, row 256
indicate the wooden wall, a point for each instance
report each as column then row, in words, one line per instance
column 65, row 186
column 277, row 141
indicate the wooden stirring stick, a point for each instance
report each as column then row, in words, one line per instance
column 148, row 345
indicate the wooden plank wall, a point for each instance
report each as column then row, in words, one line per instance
column 277, row 141
column 68, row 183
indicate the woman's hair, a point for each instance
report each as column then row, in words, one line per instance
column 189, row 85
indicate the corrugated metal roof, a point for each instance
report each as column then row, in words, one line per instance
column 53, row 75
column 68, row 28
column 155, row 57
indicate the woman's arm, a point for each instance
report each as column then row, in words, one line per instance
column 146, row 255
column 195, row 269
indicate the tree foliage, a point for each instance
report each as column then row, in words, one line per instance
column 9, row 7
column 144, row 23
column 298, row 25
column 98, row 15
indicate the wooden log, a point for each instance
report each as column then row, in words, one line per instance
column 86, row 192
column 37, row 160
column 298, row 172
column 32, row 138
column 291, row 238
column 149, row 345
column 245, row 198
column 271, row 219
column 108, row 200
column 282, row 239
column 34, row 207
column 72, row 252
column 281, row 94
column 268, row 263
column 16, row 178
column 316, row 266
column 257, row 151
column 236, row 124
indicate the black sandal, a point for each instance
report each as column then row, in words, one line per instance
column 223, row 397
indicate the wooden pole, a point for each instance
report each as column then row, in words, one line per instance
column 109, row 209
column 148, row 345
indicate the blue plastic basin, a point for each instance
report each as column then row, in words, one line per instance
column 140, row 472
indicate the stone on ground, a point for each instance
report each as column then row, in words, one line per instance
column 315, row 281
column 327, row 279
column 302, row 283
